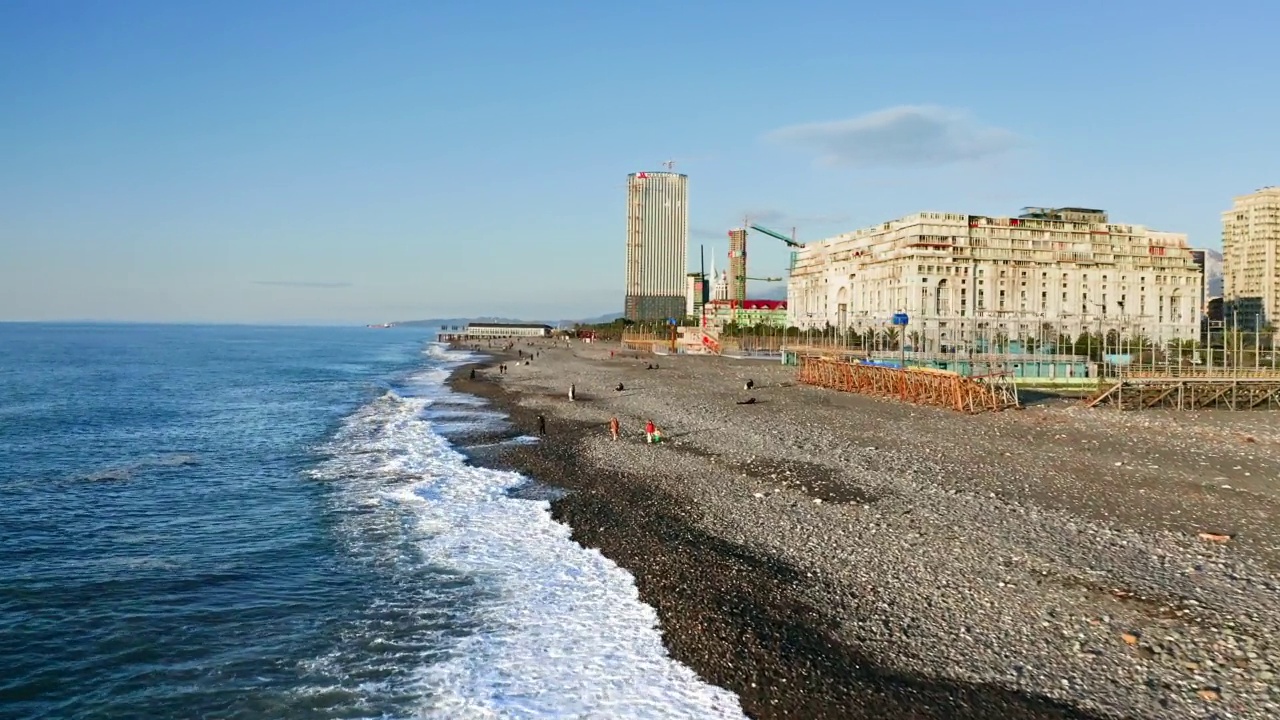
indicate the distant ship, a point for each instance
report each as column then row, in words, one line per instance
column 382, row 326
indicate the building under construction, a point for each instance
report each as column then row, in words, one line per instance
column 738, row 264
column 657, row 245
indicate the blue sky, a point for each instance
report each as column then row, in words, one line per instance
column 358, row 162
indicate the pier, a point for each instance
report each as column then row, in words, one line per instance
column 1221, row 388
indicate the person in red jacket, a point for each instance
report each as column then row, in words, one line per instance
column 649, row 431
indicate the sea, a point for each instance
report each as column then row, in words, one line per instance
column 254, row 522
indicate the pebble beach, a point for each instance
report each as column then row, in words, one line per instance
column 825, row 555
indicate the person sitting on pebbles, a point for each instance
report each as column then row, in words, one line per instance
column 652, row 433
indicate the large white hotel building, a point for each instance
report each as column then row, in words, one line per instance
column 960, row 277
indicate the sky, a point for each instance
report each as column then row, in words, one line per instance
column 352, row 162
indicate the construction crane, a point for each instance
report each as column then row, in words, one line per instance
column 760, row 279
column 773, row 234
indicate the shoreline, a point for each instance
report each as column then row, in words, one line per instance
column 737, row 616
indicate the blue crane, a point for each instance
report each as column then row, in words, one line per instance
column 773, row 234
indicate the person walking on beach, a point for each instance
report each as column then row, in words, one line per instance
column 573, row 393
column 542, row 425
column 614, row 428
column 650, row 430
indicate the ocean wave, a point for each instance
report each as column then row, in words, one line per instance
column 525, row 622
column 126, row 471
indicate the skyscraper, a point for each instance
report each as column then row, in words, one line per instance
column 657, row 245
column 738, row 264
column 1251, row 257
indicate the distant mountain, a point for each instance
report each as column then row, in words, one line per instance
column 450, row 322
column 460, row 321
column 776, row 291
column 599, row 319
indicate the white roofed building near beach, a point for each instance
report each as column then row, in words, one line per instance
column 507, row 330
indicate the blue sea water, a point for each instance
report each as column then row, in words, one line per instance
column 236, row 522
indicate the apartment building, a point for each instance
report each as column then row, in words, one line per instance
column 1250, row 271
column 657, row 245
column 962, row 277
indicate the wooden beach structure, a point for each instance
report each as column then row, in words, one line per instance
column 1190, row 389
column 921, row 386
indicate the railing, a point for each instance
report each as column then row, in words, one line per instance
column 1195, row 371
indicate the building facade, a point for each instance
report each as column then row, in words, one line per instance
column 738, row 264
column 745, row 313
column 507, row 330
column 1250, row 271
column 965, row 279
column 657, row 245
column 720, row 289
column 1201, row 259
column 697, row 292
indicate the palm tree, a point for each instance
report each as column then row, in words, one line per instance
column 1138, row 344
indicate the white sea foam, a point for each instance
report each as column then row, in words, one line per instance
column 552, row 630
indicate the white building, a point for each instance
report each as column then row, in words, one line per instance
column 1250, row 267
column 962, row 277
column 507, row 330
column 657, row 245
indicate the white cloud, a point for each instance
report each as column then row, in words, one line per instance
column 908, row 135
column 770, row 215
